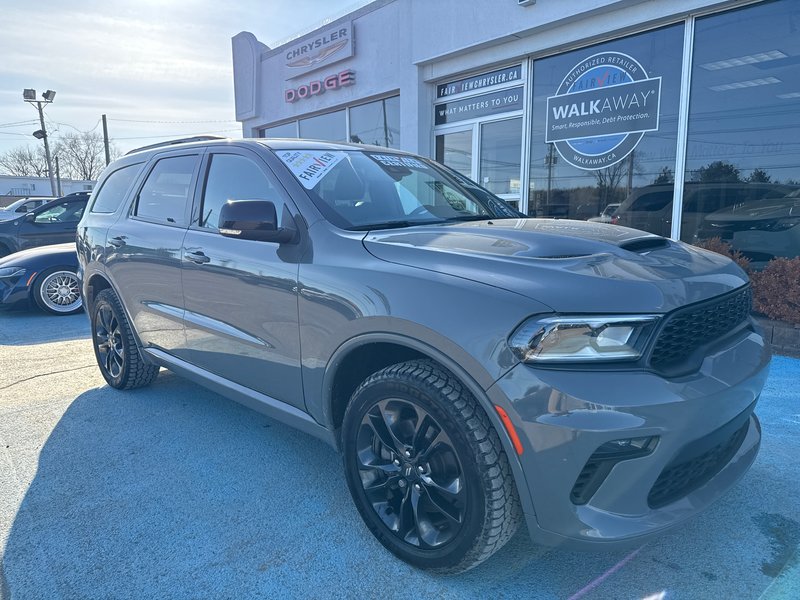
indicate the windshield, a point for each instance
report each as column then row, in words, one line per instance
column 362, row 190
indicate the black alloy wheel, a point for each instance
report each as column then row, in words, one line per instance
column 426, row 469
column 411, row 473
column 118, row 357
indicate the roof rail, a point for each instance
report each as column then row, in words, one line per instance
column 197, row 138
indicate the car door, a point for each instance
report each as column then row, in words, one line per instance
column 143, row 249
column 240, row 296
column 54, row 223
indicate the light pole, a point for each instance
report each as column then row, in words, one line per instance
column 29, row 95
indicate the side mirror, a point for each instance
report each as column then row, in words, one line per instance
column 30, row 217
column 253, row 220
column 22, row 209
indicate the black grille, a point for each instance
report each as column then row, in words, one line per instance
column 678, row 480
column 689, row 328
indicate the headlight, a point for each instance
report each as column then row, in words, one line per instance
column 7, row 272
column 582, row 339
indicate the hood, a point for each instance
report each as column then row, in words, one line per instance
column 40, row 251
column 571, row 266
column 760, row 210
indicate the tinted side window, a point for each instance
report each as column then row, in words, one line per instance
column 652, row 202
column 111, row 195
column 165, row 193
column 233, row 177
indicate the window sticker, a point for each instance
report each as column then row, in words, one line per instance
column 309, row 166
column 395, row 160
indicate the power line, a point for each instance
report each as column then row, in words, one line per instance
column 172, row 135
column 18, row 123
column 171, row 122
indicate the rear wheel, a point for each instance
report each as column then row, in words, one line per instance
column 116, row 351
column 426, row 468
column 57, row 291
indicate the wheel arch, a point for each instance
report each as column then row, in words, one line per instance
column 344, row 374
column 95, row 284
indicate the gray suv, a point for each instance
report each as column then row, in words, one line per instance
column 475, row 368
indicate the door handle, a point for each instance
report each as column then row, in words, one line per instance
column 117, row 242
column 196, row 257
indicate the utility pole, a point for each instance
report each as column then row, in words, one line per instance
column 58, row 178
column 29, row 95
column 105, row 140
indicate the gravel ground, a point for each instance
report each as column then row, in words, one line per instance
column 175, row 492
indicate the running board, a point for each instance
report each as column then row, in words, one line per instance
column 275, row 409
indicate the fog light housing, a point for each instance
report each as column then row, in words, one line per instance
column 600, row 463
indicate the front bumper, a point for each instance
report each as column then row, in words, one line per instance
column 563, row 417
column 15, row 292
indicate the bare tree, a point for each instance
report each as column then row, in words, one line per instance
column 24, row 161
column 608, row 180
column 82, row 155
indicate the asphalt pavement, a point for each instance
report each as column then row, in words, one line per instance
column 175, row 492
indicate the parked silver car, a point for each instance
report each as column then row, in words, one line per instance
column 474, row 367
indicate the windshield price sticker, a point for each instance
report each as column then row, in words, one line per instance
column 309, row 166
column 395, row 160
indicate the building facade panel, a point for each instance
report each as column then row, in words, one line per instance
column 669, row 116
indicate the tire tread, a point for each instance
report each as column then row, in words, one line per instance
column 140, row 373
column 503, row 514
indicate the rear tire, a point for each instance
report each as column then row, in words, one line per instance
column 118, row 356
column 426, row 468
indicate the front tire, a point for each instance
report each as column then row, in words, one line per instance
column 426, row 468
column 118, row 356
column 58, row 292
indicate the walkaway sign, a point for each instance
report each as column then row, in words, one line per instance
column 601, row 110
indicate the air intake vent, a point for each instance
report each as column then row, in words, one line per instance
column 645, row 244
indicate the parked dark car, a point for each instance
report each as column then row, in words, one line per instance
column 22, row 206
column 51, row 223
column 43, row 277
column 474, row 367
column 650, row 207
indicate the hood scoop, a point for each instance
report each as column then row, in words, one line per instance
column 645, row 244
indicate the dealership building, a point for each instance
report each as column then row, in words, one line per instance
column 686, row 113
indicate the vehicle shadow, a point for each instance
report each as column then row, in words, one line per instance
column 24, row 328
column 173, row 491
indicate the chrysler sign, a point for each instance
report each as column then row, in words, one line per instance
column 601, row 110
column 327, row 47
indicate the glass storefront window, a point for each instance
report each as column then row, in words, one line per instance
column 743, row 154
column 455, row 151
column 604, row 131
column 330, row 127
column 501, row 149
column 287, row 130
column 376, row 123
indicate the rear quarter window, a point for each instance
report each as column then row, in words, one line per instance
column 112, row 193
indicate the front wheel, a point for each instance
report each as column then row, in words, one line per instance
column 118, row 357
column 57, row 291
column 426, row 468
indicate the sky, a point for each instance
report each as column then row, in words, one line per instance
column 158, row 69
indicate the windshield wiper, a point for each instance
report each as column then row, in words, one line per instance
column 471, row 218
column 393, row 225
